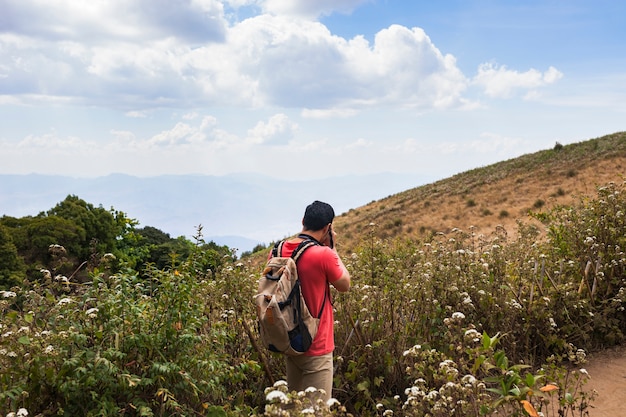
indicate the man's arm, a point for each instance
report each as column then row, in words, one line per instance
column 343, row 283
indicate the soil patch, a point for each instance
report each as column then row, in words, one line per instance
column 607, row 371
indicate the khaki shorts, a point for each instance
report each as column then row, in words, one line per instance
column 311, row 371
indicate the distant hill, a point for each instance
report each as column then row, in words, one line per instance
column 244, row 210
column 240, row 211
column 495, row 196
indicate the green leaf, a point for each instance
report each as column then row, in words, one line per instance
column 363, row 386
column 24, row 340
column 486, row 341
column 28, row 317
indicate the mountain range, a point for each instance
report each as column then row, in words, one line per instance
column 240, row 210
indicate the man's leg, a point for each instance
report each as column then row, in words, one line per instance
column 311, row 371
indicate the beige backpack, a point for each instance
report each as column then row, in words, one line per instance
column 285, row 323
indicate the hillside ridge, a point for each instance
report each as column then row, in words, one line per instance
column 491, row 197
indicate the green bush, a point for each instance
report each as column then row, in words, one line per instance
column 457, row 324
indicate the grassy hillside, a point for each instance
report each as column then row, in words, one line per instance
column 495, row 196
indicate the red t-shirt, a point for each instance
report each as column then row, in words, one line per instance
column 317, row 267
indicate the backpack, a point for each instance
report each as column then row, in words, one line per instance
column 285, row 323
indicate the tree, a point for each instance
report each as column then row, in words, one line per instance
column 12, row 268
column 100, row 225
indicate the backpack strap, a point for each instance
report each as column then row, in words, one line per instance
column 278, row 248
column 304, row 245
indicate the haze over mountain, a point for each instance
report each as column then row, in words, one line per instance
column 236, row 210
column 243, row 210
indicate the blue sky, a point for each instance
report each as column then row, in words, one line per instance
column 317, row 88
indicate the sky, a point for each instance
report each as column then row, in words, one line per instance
column 303, row 89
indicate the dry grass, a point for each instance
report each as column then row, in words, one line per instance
column 491, row 197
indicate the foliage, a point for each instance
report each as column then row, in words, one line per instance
column 87, row 233
column 12, row 267
column 457, row 324
column 125, row 345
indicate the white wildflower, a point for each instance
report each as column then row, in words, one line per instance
column 49, row 349
column 473, row 335
column 61, row 278
column 469, row 380
column 447, row 364
column 22, row 412
column 413, row 351
column 276, row 396
column 332, row 401
column 458, row 316
column 64, row 301
column 280, row 383
column 8, row 294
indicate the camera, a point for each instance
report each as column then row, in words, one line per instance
column 331, row 242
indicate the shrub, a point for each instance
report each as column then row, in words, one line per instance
column 452, row 324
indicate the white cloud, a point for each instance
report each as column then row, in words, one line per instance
column 298, row 63
column 185, row 133
column 310, row 8
column 52, row 142
column 136, row 56
column 102, row 21
column 123, row 135
column 136, row 114
column 327, row 113
column 360, row 144
column 278, row 130
column 500, row 82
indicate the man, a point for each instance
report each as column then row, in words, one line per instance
column 318, row 267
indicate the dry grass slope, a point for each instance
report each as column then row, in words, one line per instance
column 491, row 197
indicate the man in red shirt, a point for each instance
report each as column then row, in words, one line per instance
column 318, row 267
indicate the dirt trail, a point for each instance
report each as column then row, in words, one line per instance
column 608, row 377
